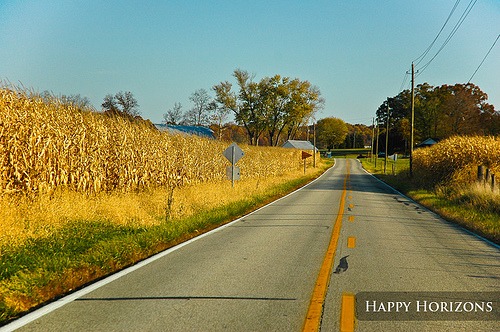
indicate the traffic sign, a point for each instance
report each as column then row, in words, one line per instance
column 233, row 173
column 233, row 153
column 305, row 155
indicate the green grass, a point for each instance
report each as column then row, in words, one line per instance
column 347, row 152
column 470, row 215
column 84, row 250
column 401, row 166
column 479, row 213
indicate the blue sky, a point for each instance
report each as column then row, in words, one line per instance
column 356, row 52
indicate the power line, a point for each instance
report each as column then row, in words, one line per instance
column 452, row 33
column 423, row 55
column 484, row 59
column 404, row 81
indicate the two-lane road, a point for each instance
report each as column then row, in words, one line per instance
column 259, row 273
column 402, row 247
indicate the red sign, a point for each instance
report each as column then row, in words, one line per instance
column 305, row 155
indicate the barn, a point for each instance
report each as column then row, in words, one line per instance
column 189, row 130
column 301, row 145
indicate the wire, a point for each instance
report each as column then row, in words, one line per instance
column 452, row 33
column 483, row 59
column 404, row 81
column 423, row 55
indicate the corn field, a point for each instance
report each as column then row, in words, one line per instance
column 456, row 159
column 49, row 145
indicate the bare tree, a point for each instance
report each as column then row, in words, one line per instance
column 110, row 104
column 128, row 103
column 173, row 115
column 82, row 103
column 199, row 115
column 123, row 102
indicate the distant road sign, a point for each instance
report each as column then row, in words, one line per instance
column 233, row 153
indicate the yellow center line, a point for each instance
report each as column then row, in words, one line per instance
column 315, row 311
column 347, row 313
column 351, row 242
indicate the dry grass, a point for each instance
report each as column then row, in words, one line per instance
column 60, row 164
column 456, row 159
column 45, row 146
column 39, row 217
column 477, row 195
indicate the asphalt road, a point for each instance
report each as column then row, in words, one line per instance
column 259, row 273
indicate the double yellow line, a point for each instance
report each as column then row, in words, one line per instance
column 315, row 311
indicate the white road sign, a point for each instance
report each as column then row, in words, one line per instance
column 233, row 173
column 233, row 153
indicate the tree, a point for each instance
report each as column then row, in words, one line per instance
column 110, row 104
column 461, row 107
column 331, row 132
column 427, row 115
column 440, row 112
column 491, row 120
column 358, row 136
column 232, row 133
column 128, row 103
column 403, row 128
column 199, row 114
column 121, row 102
column 246, row 106
column 219, row 115
column 251, row 112
column 274, row 95
column 174, row 115
column 305, row 100
column 274, row 106
column 77, row 101
column 224, row 103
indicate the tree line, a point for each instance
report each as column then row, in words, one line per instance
column 274, row 109
column 439, row 112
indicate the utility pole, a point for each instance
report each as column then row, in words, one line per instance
column 412, row 116
column 386, row 139
column 376, row 148
column 373, row 137
column 314, row 144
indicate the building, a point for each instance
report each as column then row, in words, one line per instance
column 186, row 130
column 301, row 145
column 428, row 142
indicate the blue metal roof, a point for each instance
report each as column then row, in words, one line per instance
column 191, row 130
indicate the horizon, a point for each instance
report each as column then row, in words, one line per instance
column 357, row 54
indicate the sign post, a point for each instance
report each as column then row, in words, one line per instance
column 233, row 153
column 305, row 155
column 394, row 157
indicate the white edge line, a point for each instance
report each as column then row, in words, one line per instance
column 434, row 213
column 46, row 309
